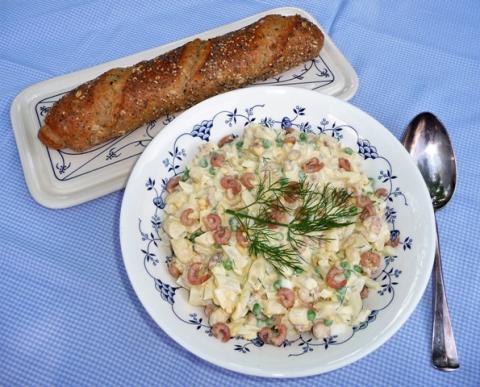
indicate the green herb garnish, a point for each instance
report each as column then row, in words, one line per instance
column 195, row 234
column 357, row 268
column 321, row 209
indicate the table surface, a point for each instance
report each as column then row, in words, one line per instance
column 68, row 315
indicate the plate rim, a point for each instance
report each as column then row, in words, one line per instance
column 393, row 326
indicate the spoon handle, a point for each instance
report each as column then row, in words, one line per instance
column 444, row 351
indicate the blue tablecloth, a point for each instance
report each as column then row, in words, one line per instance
column 68, row 315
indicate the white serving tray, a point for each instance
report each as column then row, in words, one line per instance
column 63, row 178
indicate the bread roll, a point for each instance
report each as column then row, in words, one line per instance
column 122, row 99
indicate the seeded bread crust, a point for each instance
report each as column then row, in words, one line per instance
column 122, row 99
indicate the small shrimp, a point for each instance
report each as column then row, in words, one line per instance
column 279, row 338
column 369, row 259
column 231, row 183
column 332, row 278
column 185, row 218
column 344, row 164
column 278, row 216
column 174, row 271
column 291, row 192
column 394, row 242
column 221, row 331
column 364, row 293
column 212, row 222
column 217, row 160
column 290, row 140
column 367, row 211
column 246, row 179
column 172, row 184
column 194, row 276
column 381, row 193
column 268, row 336
column 313, row 165
column 287, row 297
column 222, row 235
column 225, row 140
column 289, row 130
column 241, row 238
column 363, row 201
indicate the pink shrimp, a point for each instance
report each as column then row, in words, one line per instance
column 289, row 130
column 274, row 337
column 217, row 160
column 344, row 164
column 226, row 140
column 369, row 259
column 194, row 276
column 363, row 201
column 231, row 183
column 172, row 184
column 381, row 193
column 221, row 331
column 241, row 238
column 246, row 179
column 367, row 212
column 185, row 218
column 291, row 192
column 212, row 222
column 278, row 216
column 222, row 235
column 290, row 140
column 332, row 278
column 174, row 271
column 394, row 242
column 313, row 165
column 287, row 297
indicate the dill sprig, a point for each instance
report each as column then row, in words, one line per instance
column 321, row 209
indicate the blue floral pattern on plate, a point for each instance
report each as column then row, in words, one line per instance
column 387, row 277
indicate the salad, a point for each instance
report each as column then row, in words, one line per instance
column 275, row 233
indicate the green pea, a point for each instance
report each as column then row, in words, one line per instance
column 327, row 322
column 257, row 309
column 358, row 268
column 348, row 150
column 239, row 145
column 203, row 163
column 277, row 284
column 228, row 264
column 212, row 171
column 345, row 265
column 266, row 143
column 311, row 314
column 279, row 142
column 303, row 137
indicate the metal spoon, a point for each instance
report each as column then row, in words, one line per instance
column 427, row 141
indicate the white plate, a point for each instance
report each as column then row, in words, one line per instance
column 409, row 211
column 62, row 178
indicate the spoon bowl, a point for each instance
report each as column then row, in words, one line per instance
column 427, row 141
